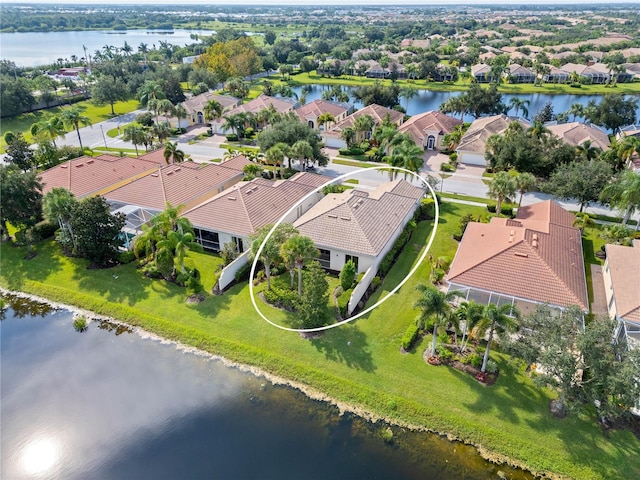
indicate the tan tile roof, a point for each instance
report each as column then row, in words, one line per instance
column 624, row 266
column 358, row 221
column 537, row 256
column 576, row 133
column 244, row 208
column 177, row 184
column 155, row 156
column 199, row 102
column 86, row 176
column 236, row 163
column 475, row 139
column 377, row 112
column 309, row 179
column 318, row 107
column 263, row 102
column 418, row 125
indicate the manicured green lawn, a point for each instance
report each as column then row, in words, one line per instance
column 359, row 364
column 22, row 123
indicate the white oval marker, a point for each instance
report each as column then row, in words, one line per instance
column 379, row 302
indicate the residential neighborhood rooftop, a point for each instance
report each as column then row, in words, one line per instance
column 576, row 133
column 624, row 266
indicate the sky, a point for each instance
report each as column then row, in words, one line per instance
column 318, row 2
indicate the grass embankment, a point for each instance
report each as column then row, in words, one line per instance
column 511, row 88
column 22, row 123
column 359, row 364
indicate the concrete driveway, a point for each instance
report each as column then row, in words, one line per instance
column 469, row 173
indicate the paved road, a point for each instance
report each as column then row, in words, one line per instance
column 466, row 181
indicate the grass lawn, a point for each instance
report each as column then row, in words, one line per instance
column 22, row 123
column 359, row 364
column 354, row 163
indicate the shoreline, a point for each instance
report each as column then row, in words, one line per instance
column 309, row 391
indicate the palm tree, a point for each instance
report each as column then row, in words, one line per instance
column 502, row 187
column 452, row 139
column 296, row 250
column 73, row 118
column 180, row 113
column 212, row 111
column 362, row 125
column 276, row 155
column 407, row 155
column 407, row 93
column 525, row 182
column 162, row 131
column 178, row 243
column 172, row 152
column 624, row 193
column 628, row 147
column 135, row 135
column 433, row 302
column 167, row 108
column 57, row 207
column 496, row 320
column 233, row 122
column 577, row 110
column 617, row 234
column 150, row 90
column 301, row 150
column 49, row 128
column 588, row 151
column 469, row 313
column 348, row 134
column 519, row 104
column 583, row 221
column 270, row 254
column 324, row 119
column 538, row 130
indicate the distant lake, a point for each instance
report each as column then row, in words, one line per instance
column 31, row 49
column 112, row 404
column 428, row 100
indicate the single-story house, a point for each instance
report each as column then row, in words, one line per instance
column 186, row 183
column 596, row 73
column 621, row 274
column 310, row 112
column 535, row 258
column 556, row 75
column 262, row 102
column 576, row 134
column 195, row 107
column 235, row 214
column 481, row 73
column 360, row 225
column 471, row 149
column 332, row 137
column 519, row 74
column 415, row 42
column 429, row 128
column 88, row 176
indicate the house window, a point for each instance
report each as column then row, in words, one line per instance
column 238, row 243
column 611, row 303
column 208, row 240
column 325, row 258
column 353, row 259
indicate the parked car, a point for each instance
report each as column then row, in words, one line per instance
column 309, row 168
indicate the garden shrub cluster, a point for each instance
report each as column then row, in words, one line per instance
column 282, row 298
column 43, row 230
column 232, row 137
column 352, row 151
column 410, row 336
column 343, row 301
column 390, row 257
column 508, row 211
column 426, row 211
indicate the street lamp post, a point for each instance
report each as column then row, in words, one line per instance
column 103, row 137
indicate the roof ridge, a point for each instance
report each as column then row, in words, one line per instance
column 508, row 247
column 164, row 190
column 244, row 206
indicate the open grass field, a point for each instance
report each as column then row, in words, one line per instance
column 22, row 123
column 359, row 364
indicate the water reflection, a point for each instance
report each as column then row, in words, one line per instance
column 98, row 406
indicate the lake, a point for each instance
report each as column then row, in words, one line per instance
column 109, row 403
column 31, row 49
column 428, row 100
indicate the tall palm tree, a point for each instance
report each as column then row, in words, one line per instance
column 452, row 139
column 276, row 155
column 577, row 110
column 628, row 147
column 348, row 134
column 57, row 207
column 162, row 131
column 583, row 221
column 166, row 107
column 525, row 182
column 436, row 303
column 212, row 111
column 49, row 128
column 73, row 118
column 172, row 152
column 233, row 122
column 624, row 193
column 179, row 243
column 470, row 314
column 407, row 93
column 538, row 130
column 518, row 104
column 270, row 254
column 324, row 119
column 496, row 320
column 296, row 250
column 135, row 135
column 180, row 113
column 588, row 151
column 301, row 150
column 362, row 125
column 150, row 90
column 502, row 187
column 407, row 155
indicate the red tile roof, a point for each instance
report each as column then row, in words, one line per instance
column 624, row 267
column 538, row 256
column 86, row 176
column 418, row 125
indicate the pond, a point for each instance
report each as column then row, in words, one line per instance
column 111, row 403
column 427, row 100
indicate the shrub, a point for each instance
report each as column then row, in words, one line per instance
column 126, row 257
column 282, row 298
column 243, row 272
column 249, row 132
column 43, row 230
column 232, row 137
column 80, row 324
column 474, row 360
column 194, row 286
column 427, row 209
column 492, row 366
column 506, row 211
column 447, row 167
column 445, row 354
column 410, row 336
column 375, row 283
column 453, row 158
column 343, row 301
column 491, row 208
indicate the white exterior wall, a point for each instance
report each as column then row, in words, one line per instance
column 334, row 142
column 361, row 289
column 228, row 274
column 471, row 158
column 608, row 290
column 337, row 260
